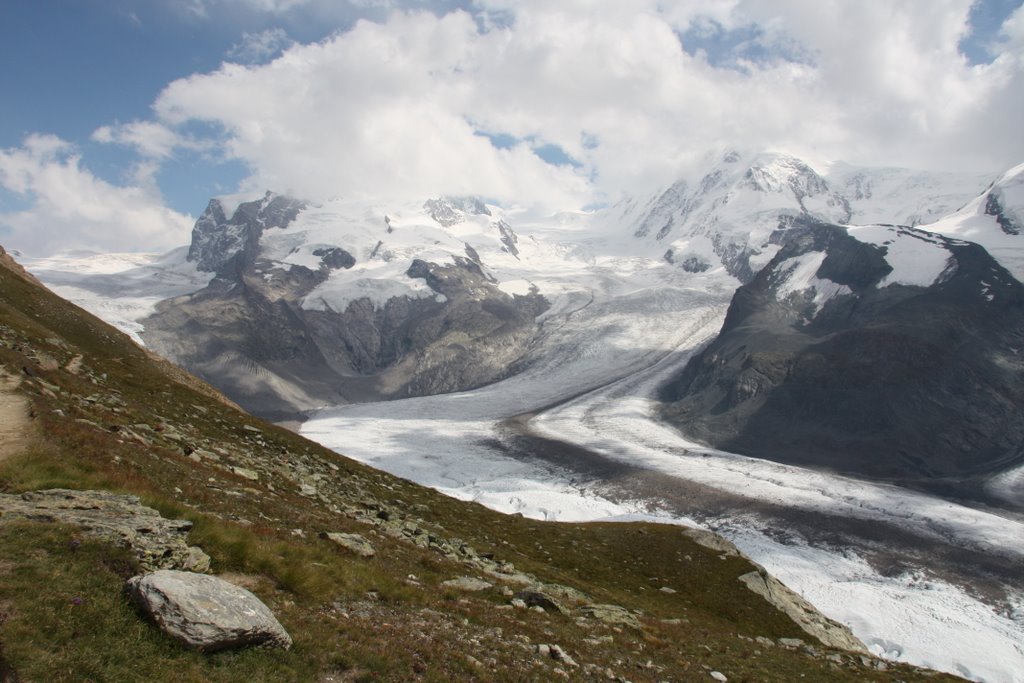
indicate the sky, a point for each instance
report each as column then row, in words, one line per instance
column 121, row 118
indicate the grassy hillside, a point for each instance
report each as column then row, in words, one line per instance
column 107, row 415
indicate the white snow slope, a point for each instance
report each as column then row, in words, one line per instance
column 121, row 289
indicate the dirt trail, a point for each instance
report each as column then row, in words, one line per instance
column 14, row 419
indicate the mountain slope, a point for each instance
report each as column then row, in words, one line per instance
column 111, row 417
column 993, row 219
column 879, row 351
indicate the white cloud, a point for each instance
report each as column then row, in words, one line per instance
column 393, row 107
column 69, row 207
column 149, row 138
column 259, row 47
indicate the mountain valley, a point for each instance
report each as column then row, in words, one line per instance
column 820, row 365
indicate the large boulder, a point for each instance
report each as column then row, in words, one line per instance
column 205, row 612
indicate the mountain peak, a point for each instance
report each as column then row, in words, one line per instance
column 218, row 239
column 449, row 211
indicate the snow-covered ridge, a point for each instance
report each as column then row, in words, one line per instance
column 994, row 219
column 727, row 215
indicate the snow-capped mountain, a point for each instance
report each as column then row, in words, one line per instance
column 728, row 215
column 315, row 304
column 881, row 351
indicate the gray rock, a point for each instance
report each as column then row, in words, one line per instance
column 156, row 542
column 813, row 622
column 791, row 642
column 470, row 584
column 536, row 598
column 719, row 676
column 563, row 594
column 206, row 613
column 354, row 543
column 560, row 655
column 611, row 614
column 246, row 473
column 711, row 540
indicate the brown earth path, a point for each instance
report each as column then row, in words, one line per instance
column 14, row 416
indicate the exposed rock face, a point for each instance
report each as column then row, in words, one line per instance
column 827, row 631
column 221, row 243
column 158, row 543
column 449, row 211
column 206, row 613
column 1008, row 220
column 857, row 371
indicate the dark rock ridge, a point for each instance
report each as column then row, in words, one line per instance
column 248, row 334
column 221, row 243
column 921, row 385
column 1008, row 222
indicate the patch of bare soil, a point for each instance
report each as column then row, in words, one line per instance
column 14, row 416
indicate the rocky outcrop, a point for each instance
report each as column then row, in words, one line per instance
column 222, row 243
column 156, row 542
column 353, row 543
column 611, row 614
column 469, row 584
column 206, row 613
column 449, row 211
column 862, row 373
column 828, row 632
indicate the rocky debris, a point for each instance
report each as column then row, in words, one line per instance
column 157, row 542
column 611, row 614
column 205, row 612
column 354, row 543
column 825, row 630
column 718, row 676
column 470, row 584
